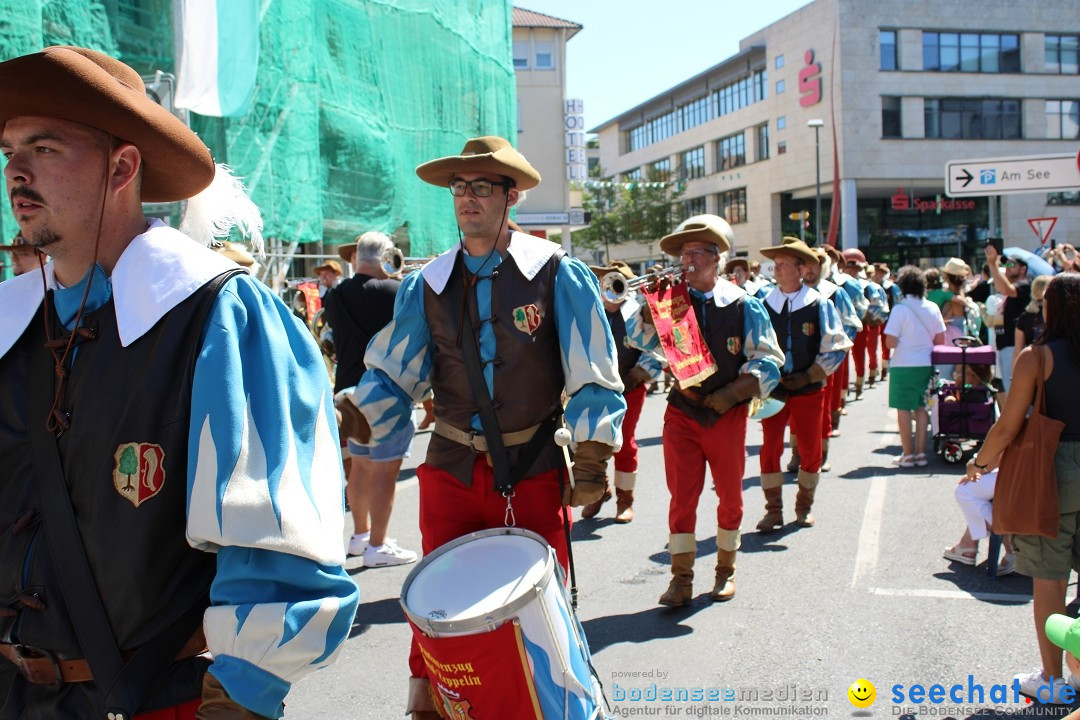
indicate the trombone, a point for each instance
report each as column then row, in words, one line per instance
column 394, row 262
column 614, row 287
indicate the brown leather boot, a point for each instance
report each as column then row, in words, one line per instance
column 420, row 702
column 624, row 506
column 593, row 508
column 825, row 467
column 793, row 463
column 836, row 415
column 858, row 387
column 804, row 499
column 680, row 591
column 724, row 587
column 871, row 378
column 774, row 502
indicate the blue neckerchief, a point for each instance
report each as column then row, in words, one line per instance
column 789, row 365
column 66, row 300
column 699, row 298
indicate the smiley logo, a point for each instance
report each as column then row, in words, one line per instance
column 862, row 693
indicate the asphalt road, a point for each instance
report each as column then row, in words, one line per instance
column 865, row 594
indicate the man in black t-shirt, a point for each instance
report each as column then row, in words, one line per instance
column 357, row 309
column 1014, row 285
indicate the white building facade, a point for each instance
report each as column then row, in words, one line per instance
column 899, row 90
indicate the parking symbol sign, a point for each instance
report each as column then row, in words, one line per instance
column 988, row 177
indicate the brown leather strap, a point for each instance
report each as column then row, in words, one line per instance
column 41, row 668
column 476, row 439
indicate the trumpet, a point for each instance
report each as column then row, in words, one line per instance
column 393, row 262
column 614, row 287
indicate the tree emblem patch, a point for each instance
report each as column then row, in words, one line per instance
column 140, row 471
column 734, row 345
column 527, row 318
column 809, row 329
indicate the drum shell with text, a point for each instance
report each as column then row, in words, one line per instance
column 496, row 629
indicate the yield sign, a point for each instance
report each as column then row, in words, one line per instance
column 1042, row 227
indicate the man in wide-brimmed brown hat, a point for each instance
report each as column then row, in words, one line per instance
column 637, row 348
column 705, row 425
column 503, row 322
column 24, row 258
column 812, row 337
column 181, row 469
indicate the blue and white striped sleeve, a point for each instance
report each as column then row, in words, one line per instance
column 764, row 358
column 265, row 492
column 834, row 341
column 399, row 360
column 595, row 408
column 849, row 317
column 642, row 336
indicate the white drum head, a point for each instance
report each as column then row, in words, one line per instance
column 475, row 576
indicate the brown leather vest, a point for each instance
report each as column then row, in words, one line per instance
column 528, row 377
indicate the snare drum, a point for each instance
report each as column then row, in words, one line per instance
column 491, row 615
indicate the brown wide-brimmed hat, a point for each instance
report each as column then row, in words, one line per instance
column 736, row 262
column 93, row 89
column 489, row 154
column 794, row 247
column 615, row 266
column 881, row 267
column 347, row 251
column 16, row 242
column 237, row 252
column 835, row 255
column 699, row 228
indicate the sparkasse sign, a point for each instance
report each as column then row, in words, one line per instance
column 1002, row 176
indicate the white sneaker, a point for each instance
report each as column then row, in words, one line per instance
column 1034, row 685
column 389, row 553
column 358, row 544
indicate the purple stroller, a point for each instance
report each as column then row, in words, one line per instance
column 960, row 413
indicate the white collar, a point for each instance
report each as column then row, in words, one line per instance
column 805, row 296
column 726, row 292
column 157, row 271
column 530, row 253
column 826, row 288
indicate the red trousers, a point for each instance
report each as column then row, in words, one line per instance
column 626, row 458
column 873, row 339
column 804, row 413
column 449, row 509
column 840, row 379
column 177, row 712
column 826, row 408
column 885, row 352
column 688, row 446
column 858, row 352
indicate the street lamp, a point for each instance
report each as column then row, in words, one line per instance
column 817, row 123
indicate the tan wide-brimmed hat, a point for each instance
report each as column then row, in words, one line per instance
column 615, row 266
column 835, row 255
column 333, row 265
column 957, row 267
column 237, row 252
column 347, row 251
column 793, row 247
column 93, row 89
column 699, row 228
column 489, row 154
column 737, row 262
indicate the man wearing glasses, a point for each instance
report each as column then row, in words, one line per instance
column 537, row 327
column 1014, row 285
column 706, row 423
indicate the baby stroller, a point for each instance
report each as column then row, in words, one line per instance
column 960, row 413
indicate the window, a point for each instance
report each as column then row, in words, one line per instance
column 781, row 122
column 779, row 86
column 970, row 52
column 631, row 175
column 521, row 55
column 1063, row 54
column 732, row 205
column 1063, row 119
column 660, row 171
column 779, row 61
column 545, row 56
column 763, row 141
column 887, row 41
column 739, row 94
column 693, row 206
column 693, row 163
column 972, row 118
column 731, row 152
column 781, row 147
column 890, row 117
column 692, row 114
column 1069, row 197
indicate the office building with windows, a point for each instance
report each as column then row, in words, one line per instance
column 883, row 95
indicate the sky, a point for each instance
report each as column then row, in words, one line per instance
column 632, row 50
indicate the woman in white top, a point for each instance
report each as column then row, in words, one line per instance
column 914, row 327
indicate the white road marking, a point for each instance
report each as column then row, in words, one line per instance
column 953, row 595
column 870, row 534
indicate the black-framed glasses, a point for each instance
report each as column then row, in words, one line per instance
column 481, row 187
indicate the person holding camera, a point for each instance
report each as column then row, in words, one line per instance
column 1014, row 285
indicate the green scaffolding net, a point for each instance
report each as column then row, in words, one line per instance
column 351, row 96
